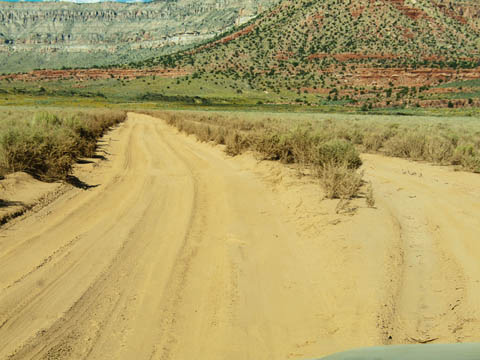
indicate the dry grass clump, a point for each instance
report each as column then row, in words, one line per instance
column 369, row 196
column 373, row 140
column 439, row 149
column 409, row 145
column 468, row 157
column 336, row 152
column 339, row 181
column 336, row 163
column 47, row 145
column 436, row 148
column 236, row 143
column 275, row 146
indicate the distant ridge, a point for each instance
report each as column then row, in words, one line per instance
column 64, row 34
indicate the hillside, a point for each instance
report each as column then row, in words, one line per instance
column 310, row 45
column 60, row 34
column 364, row 53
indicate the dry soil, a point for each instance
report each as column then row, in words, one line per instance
column 179, row 252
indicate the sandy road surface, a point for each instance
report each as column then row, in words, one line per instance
column 436, row 287
column 182, row 253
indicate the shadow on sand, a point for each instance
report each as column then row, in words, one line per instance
column 7, row 203
column 76, row 182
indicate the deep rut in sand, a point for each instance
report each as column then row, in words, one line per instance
column 181, row 252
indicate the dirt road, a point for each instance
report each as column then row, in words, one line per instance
column 178, row 252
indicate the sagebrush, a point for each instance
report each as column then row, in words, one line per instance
column 47, row 144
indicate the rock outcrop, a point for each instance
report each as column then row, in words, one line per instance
column 56, row 34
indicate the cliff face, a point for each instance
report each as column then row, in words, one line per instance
column 56, row 34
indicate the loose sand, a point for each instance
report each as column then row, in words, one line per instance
column 183, row 253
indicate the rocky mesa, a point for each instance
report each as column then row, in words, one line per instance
column 61, row 34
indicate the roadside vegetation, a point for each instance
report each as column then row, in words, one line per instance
column 333, row 161
column 46, row 144
column 327, row 146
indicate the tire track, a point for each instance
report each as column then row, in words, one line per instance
column 428, row 285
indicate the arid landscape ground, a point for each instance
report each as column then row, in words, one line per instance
column 178, row 251
column 242, row 180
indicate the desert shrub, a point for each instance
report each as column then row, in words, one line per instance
column 47, row 145
column 439, row 149
column 339, row 181
column 302, row 141
column 236, row 143
column 375, row 138
column 355, row 137
column 468, row 157
column 220, row 135
column 274, row 146
column 204, row 133
column 369, row 196
column 406, row 145
column 336, row 152
column 472, row 163
column 345, row 131
column 373, row 141
column 38, row 151
column 296, row 139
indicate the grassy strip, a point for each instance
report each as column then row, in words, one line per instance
column 47, row 144
column 333, row 161
column 438, row 145
column 438, row 140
